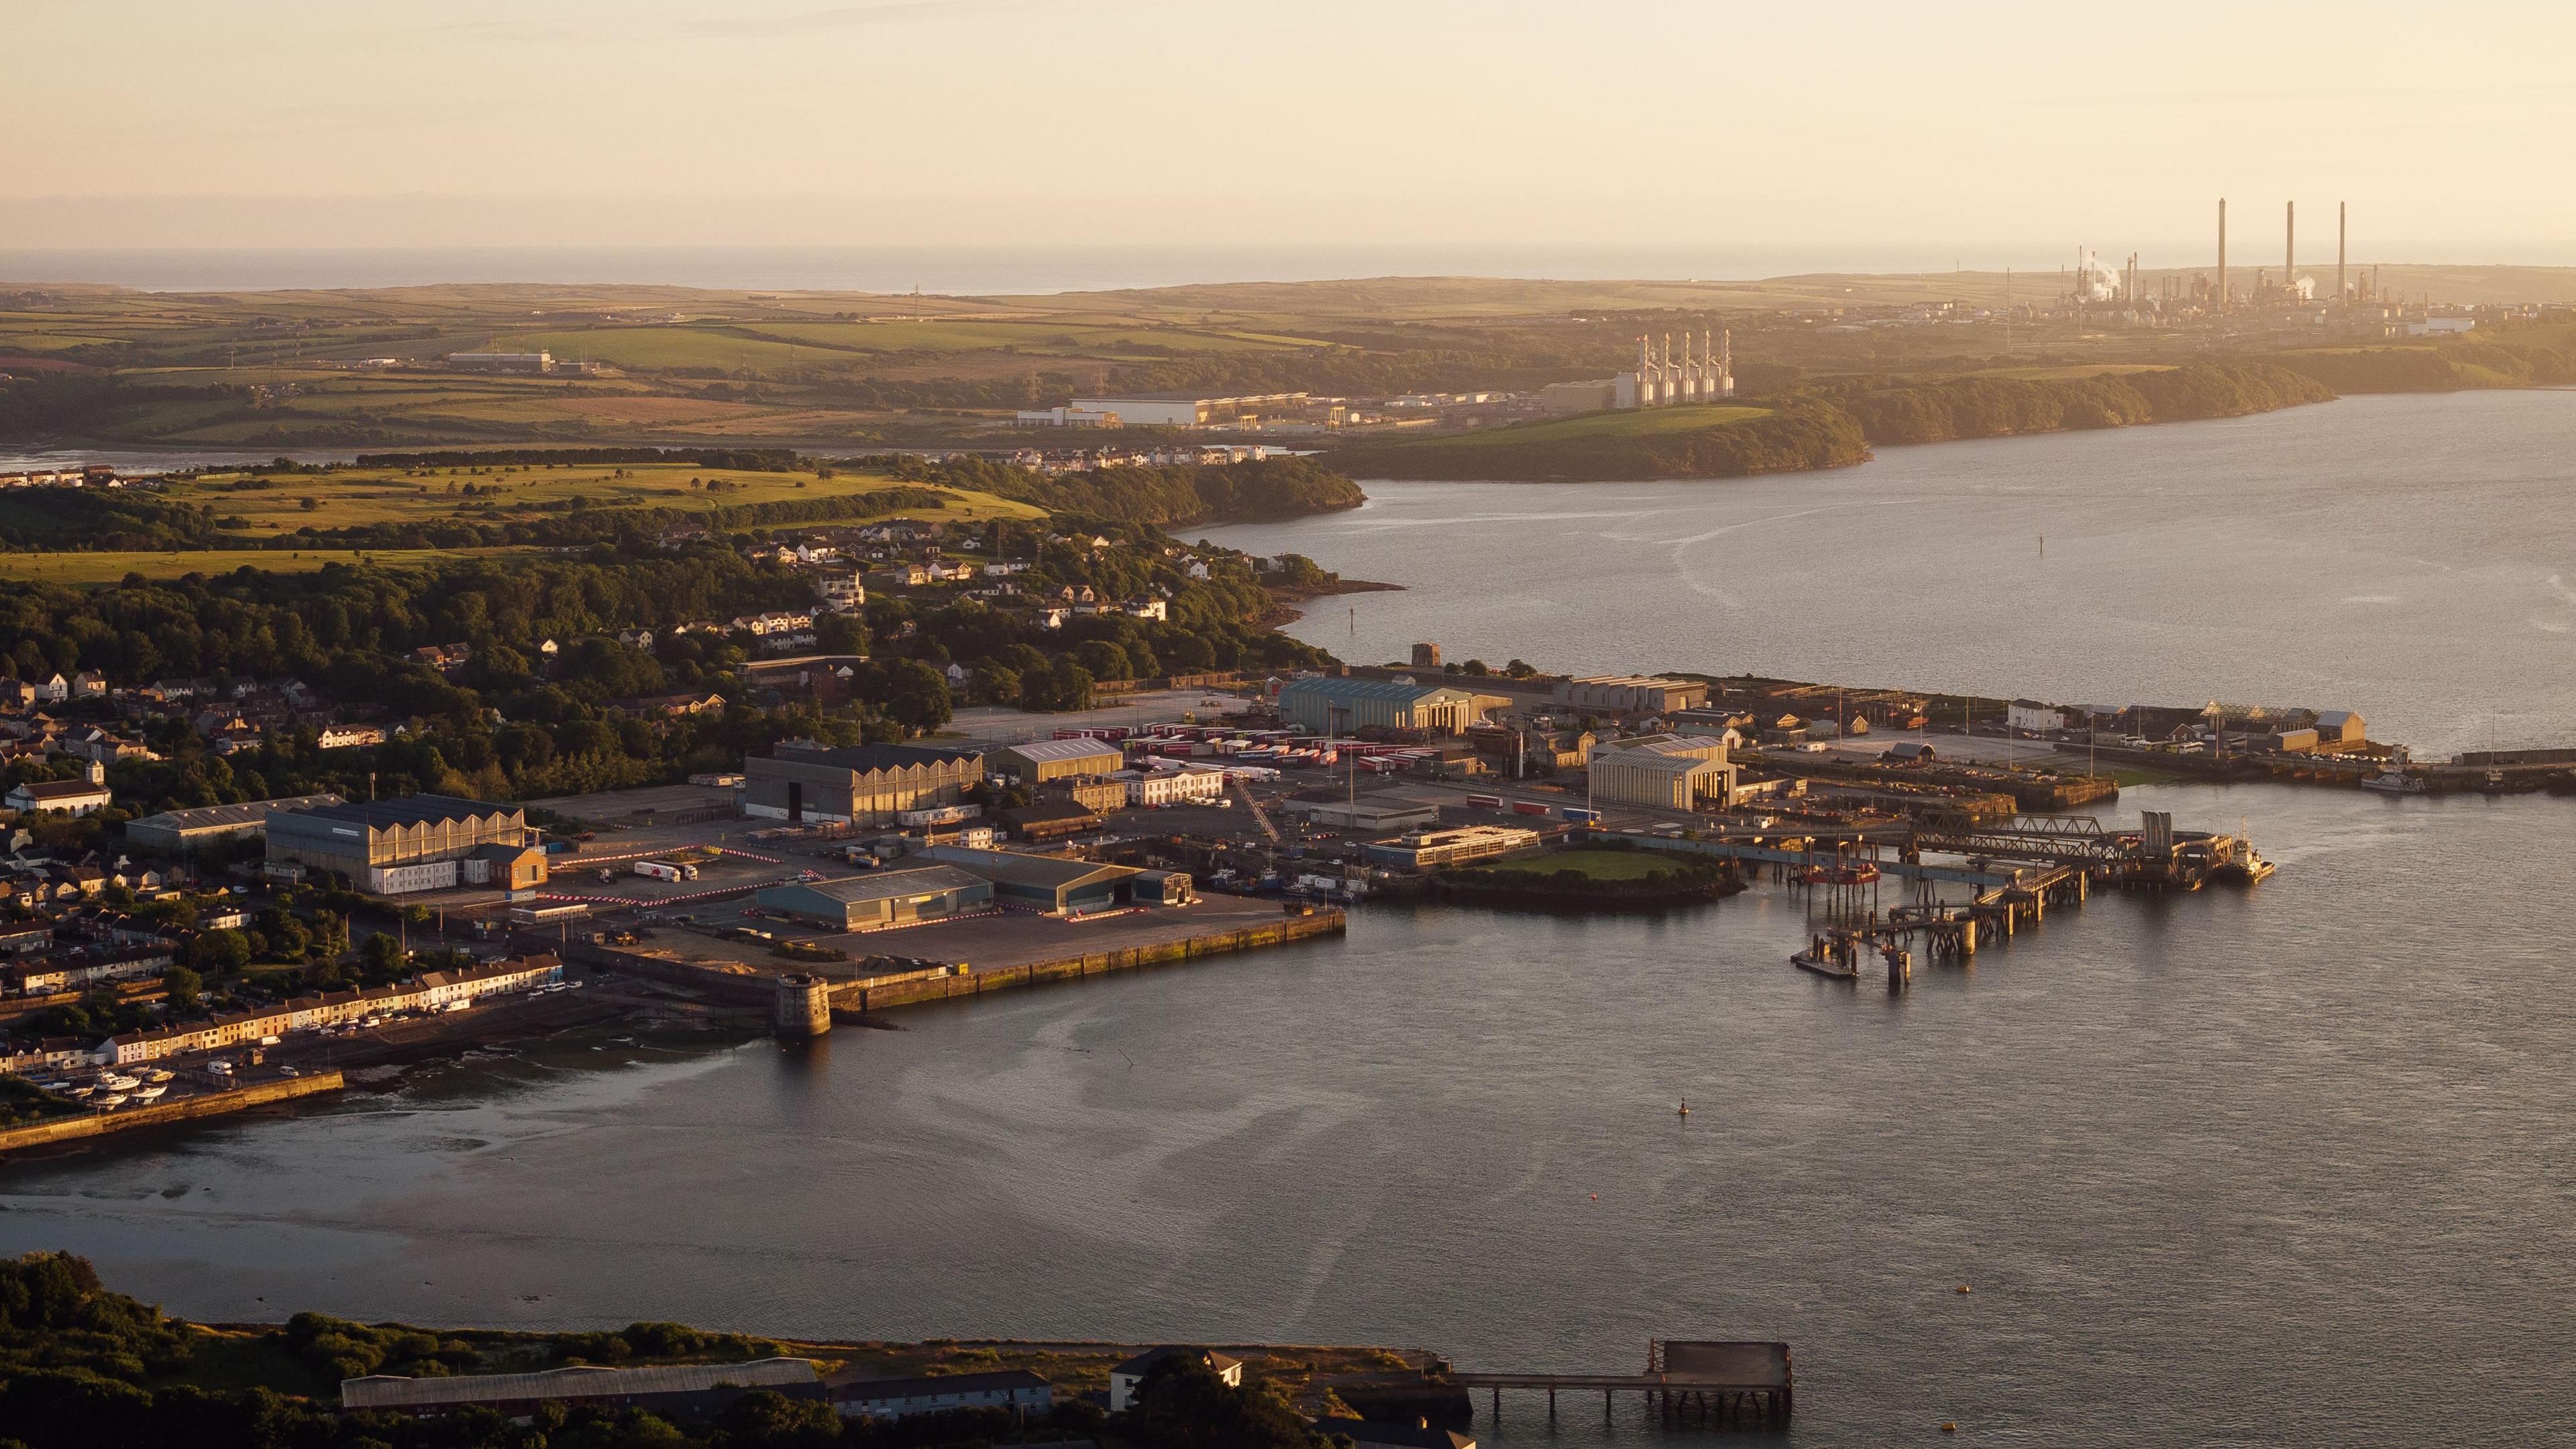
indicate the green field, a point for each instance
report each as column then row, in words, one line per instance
column 1644, row 422
column 84, row 569
column 1593, row 864
column 350, row 496
column 951, row 335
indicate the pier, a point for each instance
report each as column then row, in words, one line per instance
column 1712, row 1379
column 2018, row 871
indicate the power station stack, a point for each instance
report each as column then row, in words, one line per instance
column 1659, row 381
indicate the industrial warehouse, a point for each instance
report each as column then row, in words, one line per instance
column 181, row 831
column 859, row 785
column 1668, row 772
column 881, row 899
column 1330, row 705
column 426, row 842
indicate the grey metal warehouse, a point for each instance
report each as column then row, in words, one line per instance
column 183, row 830
column 1048, row 882
column 391, row 846
column 863, row 785
column 881, row 898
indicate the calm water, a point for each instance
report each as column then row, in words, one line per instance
column 2287, row 1166
column 2413, row 558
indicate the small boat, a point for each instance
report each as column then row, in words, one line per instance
column 1819, row 958
column 2394, row 778
column 2494, row 783
column 158, row 1074
column 111, row 1101
column 151, row 1093
column 122, row 1083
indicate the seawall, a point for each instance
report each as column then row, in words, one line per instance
column 914, row 989
column 186, row 1109
column 756, row 991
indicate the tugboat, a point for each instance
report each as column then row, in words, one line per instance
column 2245, row 869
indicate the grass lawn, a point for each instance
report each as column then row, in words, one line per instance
column 1595, row 864
column 1644, row 422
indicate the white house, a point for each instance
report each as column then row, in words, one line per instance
column 2031, row 715
column 1124, row 1378
column 68, row 797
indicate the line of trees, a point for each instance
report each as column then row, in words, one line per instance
column 1158, row 497
column 2545, row 361
column 83, row 1367
column 1989, row 407
column 1796, row 437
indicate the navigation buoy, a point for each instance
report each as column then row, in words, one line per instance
column 1596, row 1197
column 1685, row 1108
column 1949, row 1426
column 1963, row 1287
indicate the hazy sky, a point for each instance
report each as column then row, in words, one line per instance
column 2000, row 131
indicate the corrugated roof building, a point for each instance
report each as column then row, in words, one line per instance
column 1329, row 706
column 179, row 830
column 862, row 785
column 1666, row 772
column 880, row 899
column 392, row 846
column 1042, row 760
column 1047, row 882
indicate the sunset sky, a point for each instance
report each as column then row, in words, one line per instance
column 2003, row 132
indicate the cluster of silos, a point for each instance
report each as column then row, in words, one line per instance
column 1703, row 373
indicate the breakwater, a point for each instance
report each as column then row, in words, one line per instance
column 186, row 1109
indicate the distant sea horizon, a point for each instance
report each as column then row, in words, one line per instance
column 984, row 270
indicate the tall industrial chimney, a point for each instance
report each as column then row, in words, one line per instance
column 2340, row 208
column 2290, row 245
column 2222, row 256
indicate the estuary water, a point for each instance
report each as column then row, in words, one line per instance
column 2288, row 1165
column 2413, row 558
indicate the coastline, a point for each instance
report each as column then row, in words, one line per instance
column 1831, row 427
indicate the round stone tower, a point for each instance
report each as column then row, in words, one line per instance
column 804, row 1007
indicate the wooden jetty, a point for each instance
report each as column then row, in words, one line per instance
column 1707, row 1378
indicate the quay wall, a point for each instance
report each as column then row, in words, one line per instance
column 759, row 991
column 210, row 1104
column 1328, row 921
